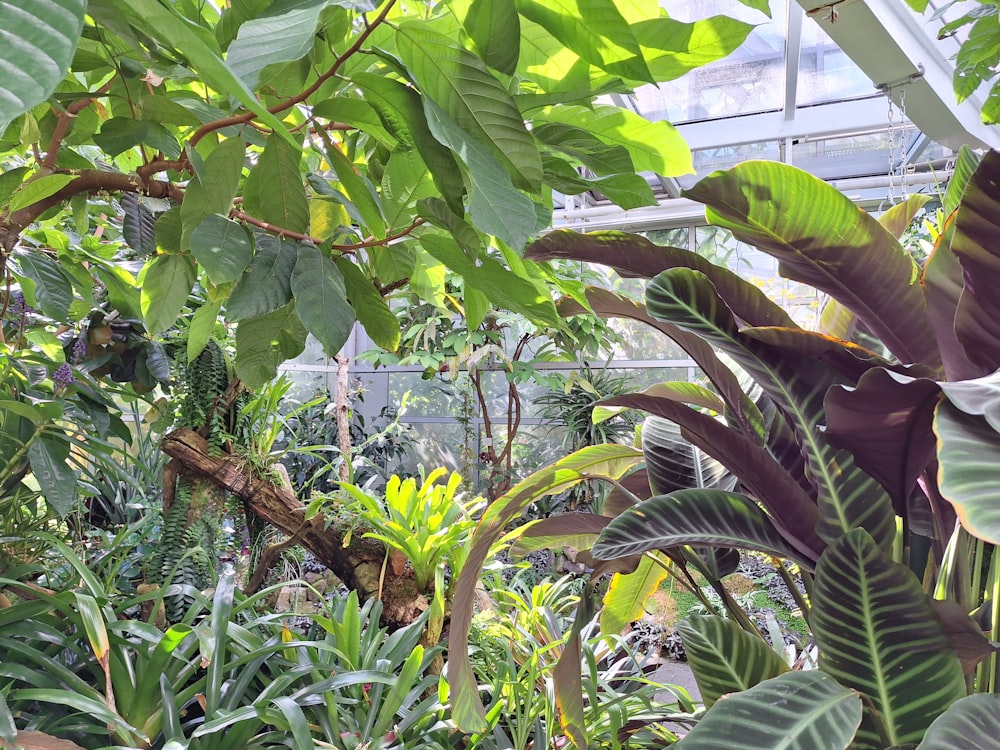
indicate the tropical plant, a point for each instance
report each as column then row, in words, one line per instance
column 828, row 463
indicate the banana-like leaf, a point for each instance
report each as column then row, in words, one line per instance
column 976, row 243
column 965, row 166
column 968, row 454
column 725, row 658
column 576, row 530
column 898, row 218
column 878, row 634
column 633, row 256
column 848, row 497
column 612, row 461
column 972, row 723
column 821, row 238
column 792, row 511
column 795, row 711
column 886, row 423
column 625, row 599
column 694, row 517
column 613, row 305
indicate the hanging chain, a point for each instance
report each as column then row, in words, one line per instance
column 902, row 144
column 891, row 132
column 899, row 130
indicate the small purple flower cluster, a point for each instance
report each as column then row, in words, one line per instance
column 79, row 352
column 63, row 376
column 18, row 307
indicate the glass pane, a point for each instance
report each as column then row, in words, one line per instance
column 673, row 237
column 826, row 74
column 708, row 160
column 435, row 444
column 750, row 80
column 853, row 156
column 436, row 397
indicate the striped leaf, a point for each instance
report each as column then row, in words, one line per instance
column 821, row 238
column 972, row 723
column 796, row 711
column 673, row 463
column 848, row 497
column 724, row 657
column 878, row 634
column 699, row 517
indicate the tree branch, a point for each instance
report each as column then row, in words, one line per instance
column 63, row 122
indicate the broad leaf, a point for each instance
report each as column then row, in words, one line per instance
column 968, row 454
column 725, row 658
column 877, row 633
column 203, row 324
column 576, row 530
column 627, row 594
column 166, row 282
column 975, row 244
column 57, row 481
column 675, row 463
column 821, row 238
column 37, row 189
column 277, row 189
column 693, row 517
column 52, row 289
column 359, row 190
column 321, row 298
column 848, row 497
column 138, row 225
column 674, row 48
column 222, row 247
column 973, row 723
column 372, row 311
column 41, row 37
column 943, row 283
column 796, row 711
column 495, row 29
column 459, row 83
column 267, row 284
column 213, row 192
column 965, row 167
column 265, row 342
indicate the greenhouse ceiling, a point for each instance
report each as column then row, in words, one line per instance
column 811, row 86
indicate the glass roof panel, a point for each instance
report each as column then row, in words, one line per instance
column 826, row 74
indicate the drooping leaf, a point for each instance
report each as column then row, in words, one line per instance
column 612, row 461
column 359, row 190
column 263, row 343
column 372, row 311
column 266, row 284
column 821, row 238
column 898, row 218
column 795, row 711
column 848, row 498
column 461, row 85
column 693, row 517
column 965, row 166
column 675, row 463
column 222, row 247
column 878, row 634
column 495, row 29
column 41, row 37
column 968, row 452
column 972, row 723
column 212, row 192
column 725, row 658
column 674, row 48
column 280, row 197
column 654, row 146
column 576, row 530
column 405, row 182
column 975, row 244
column 57, row 481
column 202, row 327
column 627, row 594
column 138, row 225
column 166, row 281
column 53, row 290
column 321, row 298
column 625, row 190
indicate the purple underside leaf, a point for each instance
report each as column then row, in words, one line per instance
column 886, row 423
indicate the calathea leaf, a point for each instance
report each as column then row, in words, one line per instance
column 877, row 633
column 321, row 298
column 627, row 594
column 725, row 658
column 46, row 33
column 264, row 342
column 165, row 281
column 266, row 285
column 795, row 711
column 459, row 83
column 973, row 723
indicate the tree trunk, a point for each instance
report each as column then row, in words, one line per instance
column 360, row 565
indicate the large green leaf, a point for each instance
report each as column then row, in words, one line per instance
column 38, row 189
column 975, row 244
column 267, row 284
column 626, row 190
column 821, row 238
column 973, row 723
column 276, row 191
column 627, row 594
column 321, row 298
column 40, row 37
column 495, row 29
column 965, row 167
column 212, row 192
column 612, row 461
column 654, row 146
column 48, row 455
column 359, row 190
column 166, row 282
column 724, row 657
column 606, row 40
column 52, row 289
column 693, row 517
column 795, row 711
column 222, row 247
column 276, row 38
column 877, row 633
column 459, row 83
column 968, row 454
column 848, row 497
column 264, row 342
column 674, row 48
column 372, row 311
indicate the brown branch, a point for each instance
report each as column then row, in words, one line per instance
column 211, row 127
column 63, row 123
column 371, row 242
column 146, row 171
column 270, row 556
column 274, row 229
